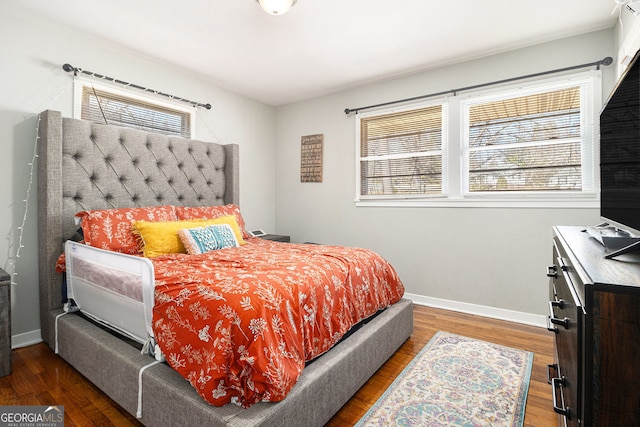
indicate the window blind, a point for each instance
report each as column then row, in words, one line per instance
column 528, row 143
column 99, row 105
column 401, row 153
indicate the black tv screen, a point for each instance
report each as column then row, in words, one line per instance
column 620, row 152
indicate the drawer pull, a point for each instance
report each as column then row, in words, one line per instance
column 556, row 320
column 551, row 368
column 555, row 384
column 558, row 303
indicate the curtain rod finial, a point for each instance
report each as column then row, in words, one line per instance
column 207, row 106
column 607, row 61
column 69, row 68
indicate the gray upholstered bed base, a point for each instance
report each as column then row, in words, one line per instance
column 86, row 166
column 169, row 400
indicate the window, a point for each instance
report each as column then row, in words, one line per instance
column 528, row 144
column 401, row 153
column 99, row 103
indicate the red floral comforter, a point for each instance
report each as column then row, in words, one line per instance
column 239, row 323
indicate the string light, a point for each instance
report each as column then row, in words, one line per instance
column 32, row 165
column 214, row 135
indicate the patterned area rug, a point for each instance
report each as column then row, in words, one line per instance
column 457, row 381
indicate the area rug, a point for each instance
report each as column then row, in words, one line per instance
column 457, row 381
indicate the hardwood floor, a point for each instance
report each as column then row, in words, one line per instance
column 426, row 322
column 40, row 377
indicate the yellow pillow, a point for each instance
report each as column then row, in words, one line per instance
column 159, row 238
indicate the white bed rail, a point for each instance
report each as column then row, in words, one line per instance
column 115, row 289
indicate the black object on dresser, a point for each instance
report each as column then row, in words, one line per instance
column 5, row 323
column 595, row 314
column 276, row 237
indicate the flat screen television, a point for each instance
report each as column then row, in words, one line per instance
column 620, row 154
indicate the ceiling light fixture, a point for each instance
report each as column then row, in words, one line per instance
column 634, row 7
column 277, row 7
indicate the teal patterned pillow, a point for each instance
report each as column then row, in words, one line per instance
column 210, row 238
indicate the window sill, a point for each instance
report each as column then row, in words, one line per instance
column 555, row 201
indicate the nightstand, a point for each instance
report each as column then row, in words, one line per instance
column 276, row 238
column 5, row 323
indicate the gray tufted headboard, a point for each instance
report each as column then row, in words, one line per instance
column 84, row 165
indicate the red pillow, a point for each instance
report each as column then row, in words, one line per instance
column 111, row 228
column 211, row 212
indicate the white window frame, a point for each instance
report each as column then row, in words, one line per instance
column 389, row 198
column 80, row 83
column 455, row 149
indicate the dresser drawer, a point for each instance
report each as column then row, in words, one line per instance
column 566, row 320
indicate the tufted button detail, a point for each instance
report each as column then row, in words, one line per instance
column 135, row 198
column 180, row 165
column 180, row 197
column 199, row 197
column 92, row 177
column 190, row 181
column 170, row 181
column 147, row 180
column 159, row 164
column 108, row 158
column 190, row 150
column 135, row 161
column 108, row 196
column 159, row 197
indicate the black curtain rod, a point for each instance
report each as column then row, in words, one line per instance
column 69, row 68
column 606, row 61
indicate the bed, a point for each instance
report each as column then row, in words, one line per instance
column 84, row 166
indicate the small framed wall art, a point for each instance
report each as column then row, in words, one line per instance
column 311, row 158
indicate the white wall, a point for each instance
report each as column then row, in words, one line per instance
column 31, row 58
column 485, row 256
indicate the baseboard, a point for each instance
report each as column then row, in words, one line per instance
column 26, row 339
column 480, row 310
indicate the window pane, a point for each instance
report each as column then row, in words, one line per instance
column 539, row 117
column 406, row 132
column 102, row 106
column 401, row 153
column 535, row 127
column 408, row 176
column 529, row 143
column 549, row 167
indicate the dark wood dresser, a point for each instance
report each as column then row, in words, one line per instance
column 595, row 315
column 5, row 323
